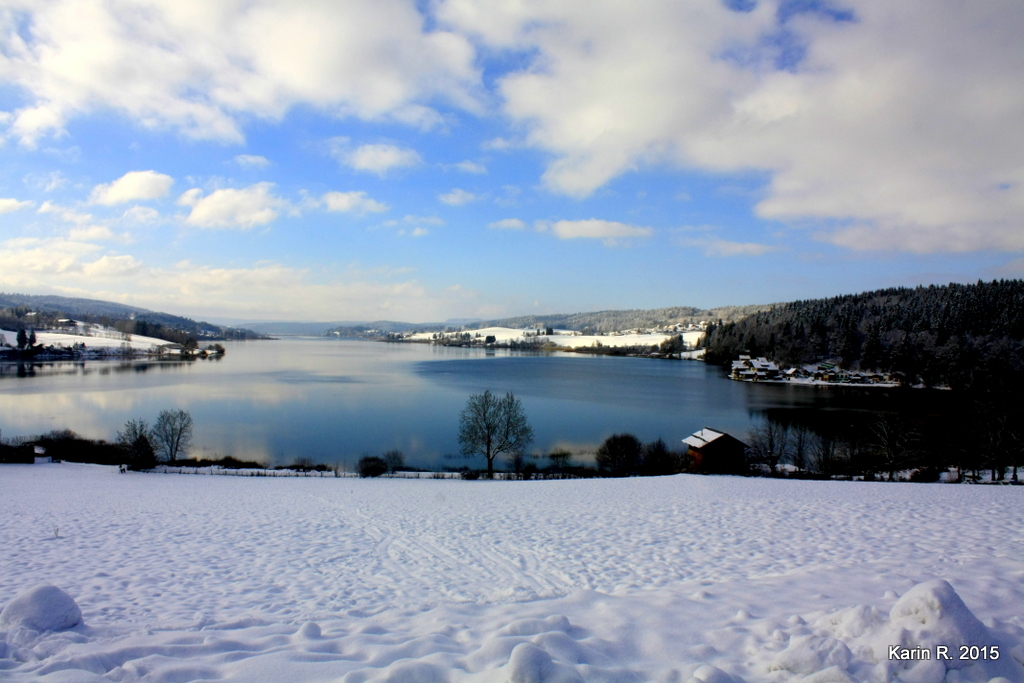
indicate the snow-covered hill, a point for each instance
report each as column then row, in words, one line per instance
column 93, row 336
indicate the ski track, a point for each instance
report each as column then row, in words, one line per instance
column 184, row 578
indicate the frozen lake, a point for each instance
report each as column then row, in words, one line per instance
column 336, row 400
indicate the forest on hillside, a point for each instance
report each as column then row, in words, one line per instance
column 964, row 336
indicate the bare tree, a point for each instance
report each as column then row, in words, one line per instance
column 559, row 460
column 395, row 460
column 492, row 426
column 136, row 440
column 769, row 444
column 800, row 447
column 824, row 457
column 891, row 440
column 516, row 461
column 172, row 434
column 999, row 440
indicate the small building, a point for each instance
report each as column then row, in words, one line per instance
column 41, row 458
column 712, row 451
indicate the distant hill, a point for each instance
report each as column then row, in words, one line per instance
column 597, row 321
column 16, row 313
column 962, row 336
column 288, row 328
column 613, row 320
column 72, row 306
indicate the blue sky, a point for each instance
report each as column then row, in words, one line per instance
column 370, row 159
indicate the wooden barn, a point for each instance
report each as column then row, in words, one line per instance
column 712, row 451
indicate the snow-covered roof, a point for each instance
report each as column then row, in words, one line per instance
column 702, row 438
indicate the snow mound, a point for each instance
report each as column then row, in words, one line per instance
column 932, row 614
column 530, row 664
column 928, row 626
column 43, row 608
column 809, row 654
column 712, row 674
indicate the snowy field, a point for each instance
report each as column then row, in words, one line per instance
column 673, row 579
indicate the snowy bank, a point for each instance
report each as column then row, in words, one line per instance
column 681, row 579
column 568, row 338
column 97, row 338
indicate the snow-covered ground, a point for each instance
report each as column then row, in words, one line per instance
column 671, row 579
column 96, row 338
column 570, row 339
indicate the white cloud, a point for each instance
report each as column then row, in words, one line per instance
column 233, row 208
column 251, row 161
column 726, row 248
column 457, row 197
column 141, row 215
column 66, row 214
column 91, row 232
column 34, row 262
column 886, row 124
column 8, row 205
column 113, row 267
column 498, row 144
column 507, row 224
column 468, row 166
column 354, row 202
column 610, row 232
column 132, row 186
column 47, row 182
column 376, row 158
column 416, row 220
column 202, row 67
column 263, row 289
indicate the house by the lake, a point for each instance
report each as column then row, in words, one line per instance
column 712, row 451
column 754, row 369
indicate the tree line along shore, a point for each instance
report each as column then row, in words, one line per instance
column 874, row 446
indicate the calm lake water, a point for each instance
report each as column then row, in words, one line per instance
column 336, row 400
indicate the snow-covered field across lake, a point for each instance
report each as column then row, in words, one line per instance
column 173, row 578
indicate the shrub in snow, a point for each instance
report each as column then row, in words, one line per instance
column 372, row 466
column 43, row 608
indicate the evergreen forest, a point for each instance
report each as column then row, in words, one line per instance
column 961, row 336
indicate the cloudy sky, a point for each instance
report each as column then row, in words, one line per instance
column 367, row 159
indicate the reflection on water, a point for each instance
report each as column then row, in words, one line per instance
column 83, row 368
column 336, row 400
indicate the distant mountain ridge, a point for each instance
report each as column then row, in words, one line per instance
column 598, row 321
column 109, row 312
